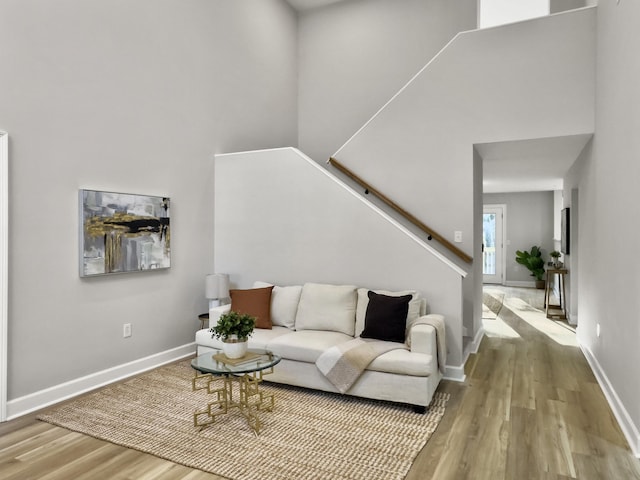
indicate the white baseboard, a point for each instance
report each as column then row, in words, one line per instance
column 520, row 284
column 629, row 429
column 473, row 347
column 573, row 319
column 49, row 396
column 454, row 373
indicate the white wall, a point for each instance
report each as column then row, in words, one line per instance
column 281, row 218
column 569, row 198
column 499, row 12
column 557, row 215
column 528, row 80
column 529, row 222
column 472, row 283
column 556, row 6
column 355, row 55
column 606, row 179
column 132, row 97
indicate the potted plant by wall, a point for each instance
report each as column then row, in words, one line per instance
column 555, row 255
column 234, row 329
column 534, row 262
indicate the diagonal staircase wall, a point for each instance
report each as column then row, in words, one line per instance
column 281, row 218
column 531, row 79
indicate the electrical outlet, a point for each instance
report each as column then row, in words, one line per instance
column 597, row 330
column 457, row 236
column 126, row 330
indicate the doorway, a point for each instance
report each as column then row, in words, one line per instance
column 493, row 220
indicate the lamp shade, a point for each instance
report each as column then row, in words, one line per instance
column 217, row 285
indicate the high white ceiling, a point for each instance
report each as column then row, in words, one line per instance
column 302, row 5
column 529, row 165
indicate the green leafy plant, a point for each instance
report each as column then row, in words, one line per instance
column 533, row 261
column 556, row 262
column 233, row 323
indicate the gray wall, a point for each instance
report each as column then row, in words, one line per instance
column 556, row 6
column 133, row 97
column 529, row 222
column 475, row 92
column 296, row 224
column 607, row 181
column 355, row 55
column 475, row 274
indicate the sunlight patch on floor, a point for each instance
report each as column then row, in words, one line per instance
column 498, row 329
column 556, row 331
column 495, row 293
column 487, row 314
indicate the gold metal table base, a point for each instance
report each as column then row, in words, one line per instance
column 250, row 399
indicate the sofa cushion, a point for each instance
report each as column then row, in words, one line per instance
column 255, row 302
column 327, row 307
column 284, row 304
column 386, row 317
column 260, row 338
column 306, row 345
column 417, row 306
column 404, row 362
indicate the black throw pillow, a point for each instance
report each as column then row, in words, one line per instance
column 386, row 317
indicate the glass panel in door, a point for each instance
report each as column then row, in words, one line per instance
column 489, row 242
column 492, row 256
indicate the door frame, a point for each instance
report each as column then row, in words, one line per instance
column 4, row 269
column 503, row 241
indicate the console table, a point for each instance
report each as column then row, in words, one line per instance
column 556, row 311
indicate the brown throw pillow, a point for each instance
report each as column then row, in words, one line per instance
column 255, row 302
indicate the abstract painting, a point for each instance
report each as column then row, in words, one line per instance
column 122, row 232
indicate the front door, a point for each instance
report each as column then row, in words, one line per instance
column 492, row 243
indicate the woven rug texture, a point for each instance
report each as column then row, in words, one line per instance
column 309, row 435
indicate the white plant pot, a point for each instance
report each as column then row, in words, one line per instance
column 234, row 348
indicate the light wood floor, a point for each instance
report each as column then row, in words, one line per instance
column 530, row 409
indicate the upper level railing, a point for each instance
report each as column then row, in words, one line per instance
column 432, row 234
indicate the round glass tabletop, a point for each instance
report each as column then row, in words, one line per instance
column 216, row 362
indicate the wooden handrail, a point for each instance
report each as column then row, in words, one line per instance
column 429, row 231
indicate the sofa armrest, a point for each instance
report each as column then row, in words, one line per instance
column 216, row 312
column 422, row 339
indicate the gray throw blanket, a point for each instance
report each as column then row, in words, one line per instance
column 437, row 322
column 343, row 364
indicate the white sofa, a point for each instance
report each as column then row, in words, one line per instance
column 307, row 320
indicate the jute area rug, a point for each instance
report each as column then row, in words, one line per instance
column 309, row 435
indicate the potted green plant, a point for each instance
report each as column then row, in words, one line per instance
column 534, row 262
column 555, row 255
column 234, row 329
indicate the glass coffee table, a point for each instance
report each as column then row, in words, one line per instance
column 217, row 374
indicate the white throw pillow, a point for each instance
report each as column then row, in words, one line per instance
column 327, row 307
column 416, row 306
column 284, row 304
